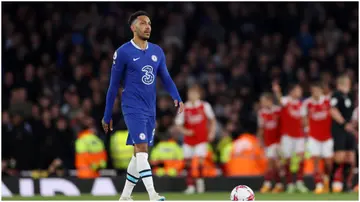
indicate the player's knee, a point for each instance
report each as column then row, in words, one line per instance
column 143, row 147
column 350, row 157
column 201, row 160
column 188, row 162
column 316, row 158
column 339, row 156
column 271, row 162
column 300, row 155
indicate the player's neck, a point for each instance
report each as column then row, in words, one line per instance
column 139, row 42
column 293, row 98
column 193, row 101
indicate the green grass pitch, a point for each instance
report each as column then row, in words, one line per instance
column 221, row 196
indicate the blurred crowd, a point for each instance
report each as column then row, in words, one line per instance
column 57, row 59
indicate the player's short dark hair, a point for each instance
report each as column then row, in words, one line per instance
column 317, row 84
column 292, row 86
column 135, row 15
column 267, row 95
column 340, row 79
column 197, row 87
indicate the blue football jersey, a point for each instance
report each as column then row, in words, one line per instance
column 137, row 70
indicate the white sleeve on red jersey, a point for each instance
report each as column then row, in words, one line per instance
column 304, row 107
column 277, row 109
column 284, row 100
column 260, row 120
column 180, row 119
column 208, row 111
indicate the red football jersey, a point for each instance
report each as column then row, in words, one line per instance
column 319, row 117
column 291, row 119
column 269, row 121
column 195, row 117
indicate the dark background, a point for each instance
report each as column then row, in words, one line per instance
column 56, row 60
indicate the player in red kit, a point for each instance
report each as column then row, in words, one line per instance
column 316, row 113
column 292, row 135
column 198, row 125
column 269, row 133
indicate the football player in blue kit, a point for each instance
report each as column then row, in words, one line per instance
column 136, row 65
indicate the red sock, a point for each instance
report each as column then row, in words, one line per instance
column 269, row 175
column 200, row 168
column 317, row 177
column 288, row 175
column 300, row 174
column 338, row 176
column 189, row 178
column 277, row 176
column 327, row 170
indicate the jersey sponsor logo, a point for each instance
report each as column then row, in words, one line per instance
column 270, row 124
column 195, row 119
column 317, row 116
column 142, row 136
column 149, row 77
column 294, row 113
column 154, row 58
column 135, row 59
column 114, row 57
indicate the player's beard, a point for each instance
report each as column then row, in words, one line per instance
column 144, row 37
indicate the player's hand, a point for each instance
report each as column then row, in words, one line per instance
column 189, row 133
column 106, row 126
column 349, row 128
column 211, row 136
column 179, row 105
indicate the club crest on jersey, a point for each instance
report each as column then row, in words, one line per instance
column 149, row 77
column 142, row 136
column 154, row 58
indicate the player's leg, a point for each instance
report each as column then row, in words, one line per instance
column 139, row 136
column 270, row 153
column 142, row 158
column 339, row 156
column 287, row 145
column 348, row 170
column 349, row 163
column 132, row 176
column 190, row 183
column 327, row 154
column 201, row 152
column 314, row 147
column 300, row 150
column 279, row 187
column 356, row 187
